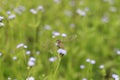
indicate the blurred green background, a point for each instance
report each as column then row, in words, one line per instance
column 31, row 28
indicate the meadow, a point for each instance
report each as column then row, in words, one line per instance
column 88, row 31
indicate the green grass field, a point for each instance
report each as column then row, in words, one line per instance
column 89, row 31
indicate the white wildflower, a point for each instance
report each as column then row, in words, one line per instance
column 84, row 79
column 101, row 66
column 28, row 52
column 17, row 10
column 11, row 16
column 37, row 52
column 92, row 61
column 88, row 60
column 30, row 78
column 32, row 59
column 118, row 52
column 82, row 66
column 40, row 8
column 33, row 11
column 62, row 51
column 1, row 18
column 8, row 12
column 14, row 58
column 21, row 8
column 1, row 24
column 81, row 12
column 0, row 54
column 25, row 46
column 31, row 63
column 9, row 78
column 47, row 27
column 52, row 59
column 115, row 76
column 105, row 19
column 64, row 35
column 56, row 33
column 20, row 45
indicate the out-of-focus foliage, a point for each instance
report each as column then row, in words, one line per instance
column 88, row 29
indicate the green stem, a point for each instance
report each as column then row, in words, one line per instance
column 29, row 72
column 59, row 58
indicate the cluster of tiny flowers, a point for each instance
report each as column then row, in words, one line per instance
column 47, row 27
column 1, row 23
column 84, row 79
column 11, row 16
column 19, row 9
column 21, row 45
column 118, row 52
column 64, row 35
column 55, row 33
column 8, row 12
column 31, row 61
column 35, row 11
column 52, row 59
column 0, row 54
column 9, row 78
column 115, row 76
column 105, row 19
column 62, row 51
column 40, row 8
column 14, row 57
column 37, row 52
column 1, row 18
column 28, row 52
column 30, row 78
column 81, row 12
column 90, row 61
column 82, row 66
column 101, row 66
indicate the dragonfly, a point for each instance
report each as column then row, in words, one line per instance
column 59, row 44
